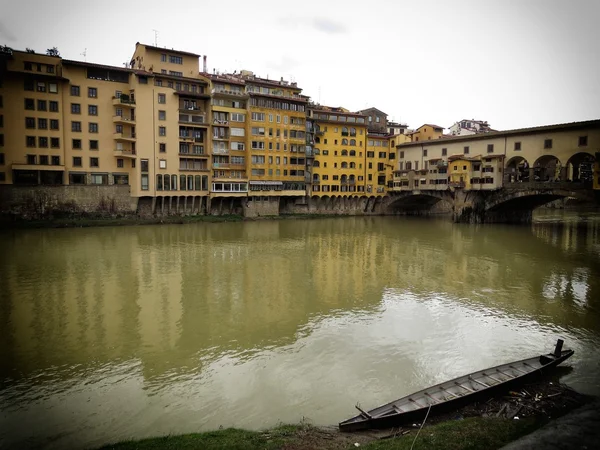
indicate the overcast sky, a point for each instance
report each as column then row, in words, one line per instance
column 515, row 63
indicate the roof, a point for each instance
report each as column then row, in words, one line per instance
column 179, row 52
column 225, row 78
column 497, row 134
column 70, row 62
column 430, row 125
column 362, row 111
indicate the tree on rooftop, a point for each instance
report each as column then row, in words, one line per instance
column 52, row 52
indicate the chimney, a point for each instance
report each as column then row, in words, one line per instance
column 204, row 65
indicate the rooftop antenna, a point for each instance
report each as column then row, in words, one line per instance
column 155, row 37
column 84, row 54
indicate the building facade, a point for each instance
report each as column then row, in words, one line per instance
column 467, row 127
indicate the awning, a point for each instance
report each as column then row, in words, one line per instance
column 269, row 183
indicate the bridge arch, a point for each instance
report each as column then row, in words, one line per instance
column 580, row 167
column 419, row 202
column 547, row 168
column 517, row 169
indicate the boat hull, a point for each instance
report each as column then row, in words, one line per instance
column 361, row 422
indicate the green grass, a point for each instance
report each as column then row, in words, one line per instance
column 468, row 434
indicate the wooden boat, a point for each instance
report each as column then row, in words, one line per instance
column 450, row 395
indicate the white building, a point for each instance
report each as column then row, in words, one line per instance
column 466, row 127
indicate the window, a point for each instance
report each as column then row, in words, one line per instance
column 237, row 117
column 583, row 141
column 56, row 160
column 75, row 108
column 75, row 91
column 41, row 86
column 76, row 161
column 162, row 147
column 175, row 59
column 29, row 104
column 93, row 127
column 54, row 124
column 162, row 115
column 490, row 148
column 29, row 122
column 162, row 164
column 94, row 162
column 547, row 143
column 44, row 160
column 41, row 105
column 76, row 144
column 92, row 92
column 162, row 98
column 42, row 124
column 145, row 181
column 144, row 166
column 31, row 159
column 517, row 146
column 54, row 142
column 42, row 142
column 97, row 178
column 258, row 117
column 425, row 152
column 444, row 151
column 93, row 145
column 162, row 131
column 92, row 110
column 53, row 88
column 466, row 150
column 163, row 57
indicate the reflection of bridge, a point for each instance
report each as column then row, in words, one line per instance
column 510, row 173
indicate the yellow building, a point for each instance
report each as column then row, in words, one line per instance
column 276, row 137
column 427, row 132
column 340, row 140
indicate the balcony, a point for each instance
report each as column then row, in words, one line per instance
column 221, row 166
column 124, row 101
column 191, row 152
column 190, row 138
column 121, row 153
column 237, row 166
column 124, row 120
column 191, row 109
column 220, row 151
column 224, row 123
column 220, row 138
column 316, row 181
column 228, row 92
column 194, row 119
column 183, row 93
column 124, row 137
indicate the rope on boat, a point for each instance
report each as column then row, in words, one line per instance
column 425, row 420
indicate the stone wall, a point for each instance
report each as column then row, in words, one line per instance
column 261, row 206
column 36, row 202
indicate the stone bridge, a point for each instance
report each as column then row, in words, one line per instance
column 514, row 203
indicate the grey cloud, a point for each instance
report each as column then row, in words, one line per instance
column 5, row 33
column 316, row 23
column 328, row 26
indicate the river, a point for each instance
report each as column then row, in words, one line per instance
column 128, row 332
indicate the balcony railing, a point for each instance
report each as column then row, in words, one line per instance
column 123, row 119
column 121, row 153
column 123, row 101
column 220, row 151
column 192, row 118
column 220, row 122
column 228, row 92
column 124, row 137
column 221, row 165
column 315, row 181
column 192, row 152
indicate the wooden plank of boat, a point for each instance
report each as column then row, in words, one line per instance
column 518, row 370
column 479, row 382
column 448, row 392
column 491, row 377
column 391, row 415
column 464, row 387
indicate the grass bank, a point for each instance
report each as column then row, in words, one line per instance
column 468, row 434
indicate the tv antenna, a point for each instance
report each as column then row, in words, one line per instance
column 84, row 54
column 155, row 37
